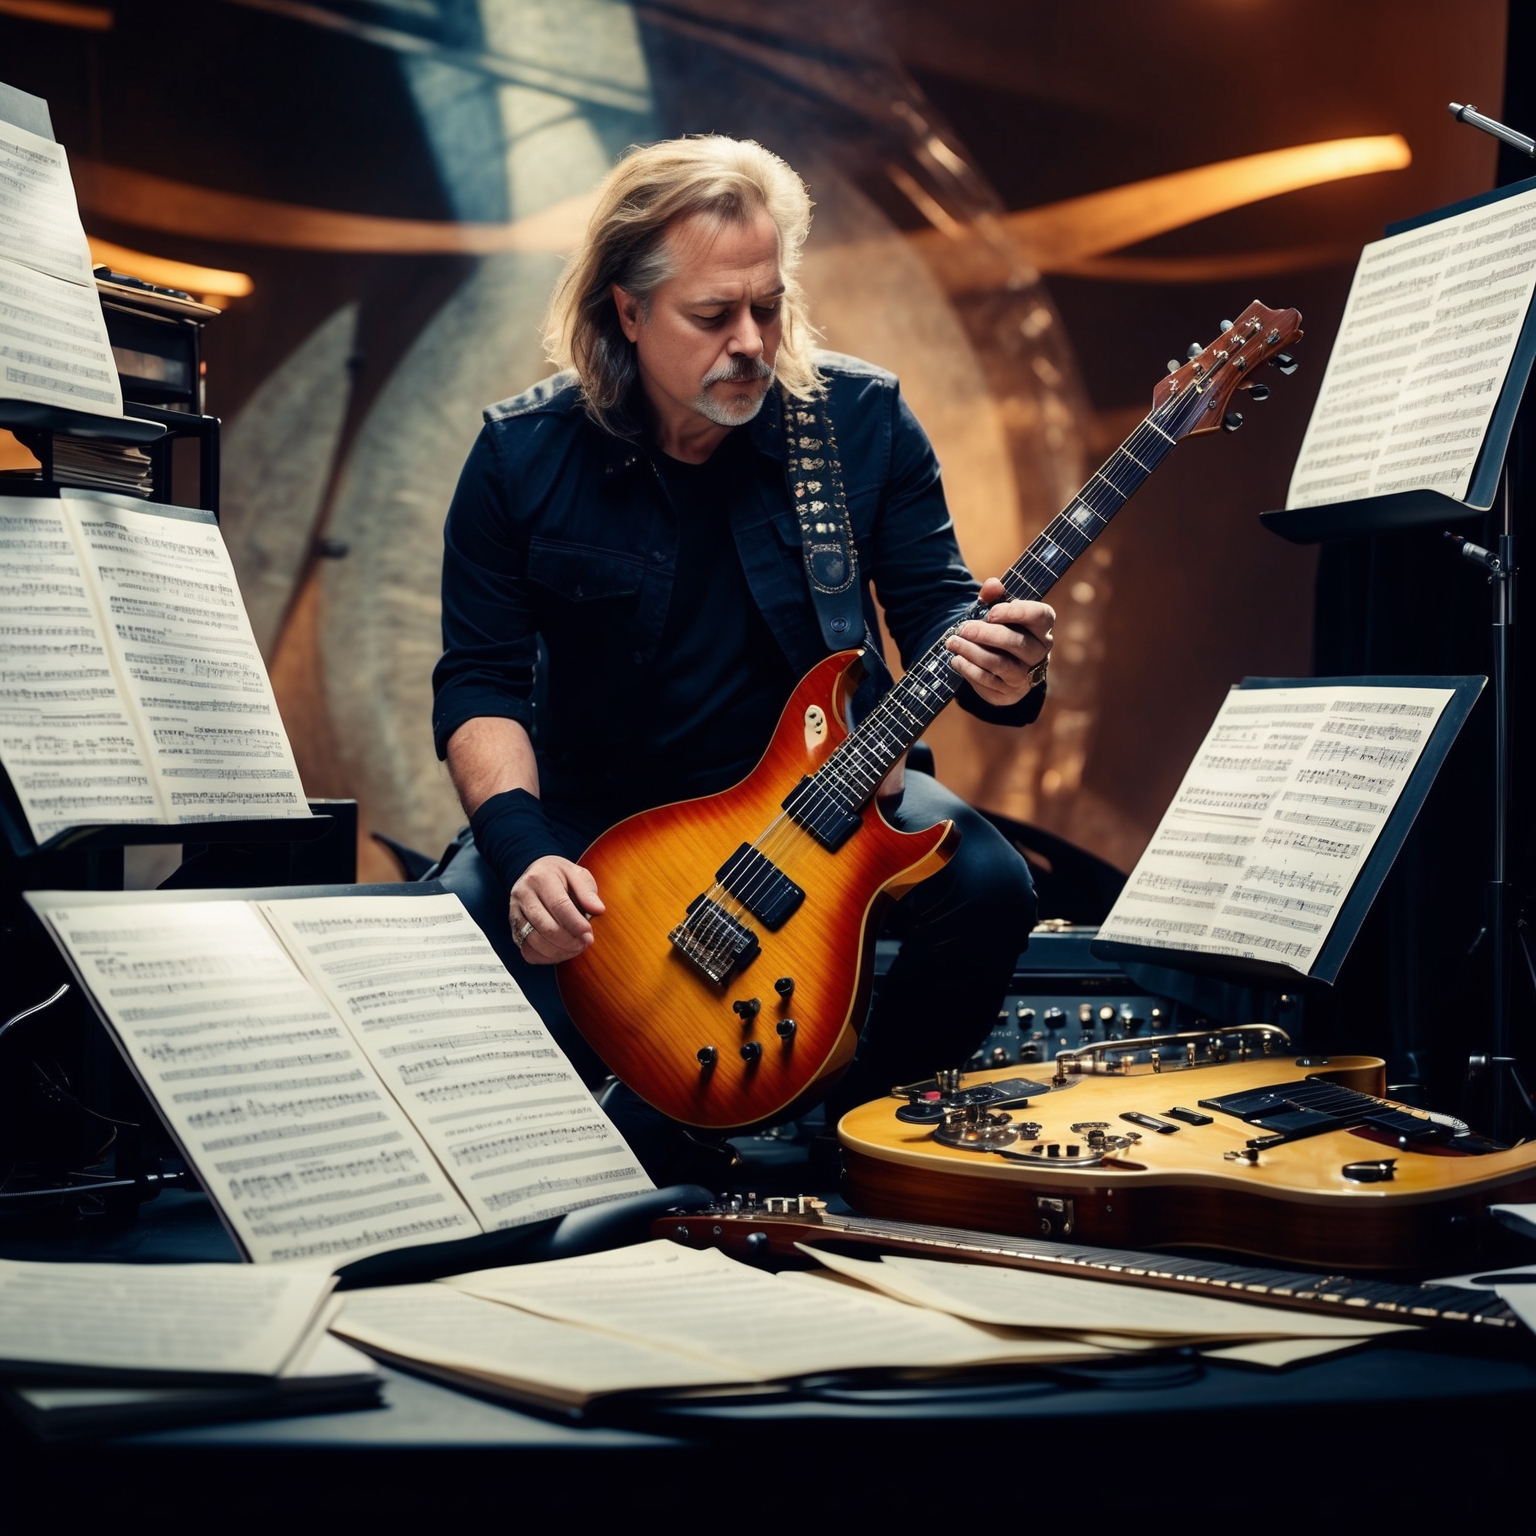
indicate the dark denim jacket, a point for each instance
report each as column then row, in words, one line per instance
column 559, row 529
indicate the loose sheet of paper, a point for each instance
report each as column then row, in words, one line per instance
column 763, row 1326
column 225, row 1319
column 1426, row 340
column 463, row 1052
column 1274, row 820
column 178, row 629
column 493, row 1345
column 1019, row 1298
column 290, row 1130
column 67, row 740
column 53, row 341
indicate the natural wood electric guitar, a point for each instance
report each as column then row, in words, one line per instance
column 732, row 967
column 1225, row 1139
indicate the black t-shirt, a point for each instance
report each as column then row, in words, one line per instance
column 720, row 679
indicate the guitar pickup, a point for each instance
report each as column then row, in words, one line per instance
column 713, row 941
column 822, row 814
column 760, row 886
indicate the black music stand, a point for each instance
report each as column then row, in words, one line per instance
column 1408, row 509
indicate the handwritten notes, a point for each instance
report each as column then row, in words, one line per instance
column 1426, row 340
column 1274, row 820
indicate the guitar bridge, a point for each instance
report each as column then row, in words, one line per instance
column 713, row 941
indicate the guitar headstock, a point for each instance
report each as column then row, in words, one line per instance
column 1195, row 396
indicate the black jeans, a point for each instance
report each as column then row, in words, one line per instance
column 961, row 932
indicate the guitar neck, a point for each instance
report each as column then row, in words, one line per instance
column 856, row 769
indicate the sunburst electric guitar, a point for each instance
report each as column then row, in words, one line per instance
column 732, row 967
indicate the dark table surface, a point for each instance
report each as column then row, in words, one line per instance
column 1428, row 1421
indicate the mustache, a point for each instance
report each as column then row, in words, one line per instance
column 739, row 371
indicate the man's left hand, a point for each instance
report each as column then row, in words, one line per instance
column 995, row 654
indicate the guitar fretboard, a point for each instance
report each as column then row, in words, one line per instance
column 849, row 778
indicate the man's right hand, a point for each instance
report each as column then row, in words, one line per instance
column 557, row 897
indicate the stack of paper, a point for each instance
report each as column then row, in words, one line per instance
column 100, row 1348
column 53, row 340
column 100, row 466
column 662, row 1318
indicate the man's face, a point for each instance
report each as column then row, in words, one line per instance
column 709, row 342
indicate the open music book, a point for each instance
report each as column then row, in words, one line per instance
column 1286, row 823
column 347, row 1075
column 131, row 686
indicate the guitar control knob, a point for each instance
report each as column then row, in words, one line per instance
column 747, row 1007
column 707, row 1055
column 1026, row 1020
column 785, row 987
column 999, row 1056
column 1085, row 1014
column 786, row 1029
column 751, row 1051
column 1106, row 1016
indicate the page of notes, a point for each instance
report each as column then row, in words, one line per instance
column 189, row 662
column 765, row 1326
column 304, row 1151
column 215, row 1319
column 67, row 741
column 1274, row 820
column 53, row 341
column 1425, row 342
column 494, row 1346
column 463, row 1051
column 1021, row 1298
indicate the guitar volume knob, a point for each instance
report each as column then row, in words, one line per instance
column 785, row 987
column 786, row 1029
column 751, row 1051
column 707, row 1055
column 746, row 1008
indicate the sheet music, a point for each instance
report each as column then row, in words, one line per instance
column 463, row 1051
column 290, row 1130
column 53, row 340
column 1274, row 820
column 178, row 628
column 66, row 739
column 1018, row 1298
column 224, row 1319
column 491, row 1345
column 1425, row 342
column 765, row 1326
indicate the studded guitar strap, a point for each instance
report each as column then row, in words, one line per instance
column 826, row 530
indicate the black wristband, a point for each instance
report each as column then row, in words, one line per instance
column 511, row 831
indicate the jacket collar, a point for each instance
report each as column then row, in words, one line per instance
column 622, row 454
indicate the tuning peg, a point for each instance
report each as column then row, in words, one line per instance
column 1284, row 362
column 1195, row 349
column 1174, row 365
column 1226, row 325
column 1257, row 391
column 1232, row 421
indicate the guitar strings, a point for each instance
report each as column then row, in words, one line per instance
column 711, row 924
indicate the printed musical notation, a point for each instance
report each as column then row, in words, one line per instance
column 1427, row 337
column 1269, row 841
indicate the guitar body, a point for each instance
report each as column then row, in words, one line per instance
column 648, row 1011
column 1179, row 1190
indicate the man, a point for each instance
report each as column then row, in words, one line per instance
column 632, row 513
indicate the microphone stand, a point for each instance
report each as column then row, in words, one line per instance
column 1500, row 565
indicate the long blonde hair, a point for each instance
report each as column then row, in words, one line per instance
column 649, row 190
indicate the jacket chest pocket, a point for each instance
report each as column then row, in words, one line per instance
column 575, row 573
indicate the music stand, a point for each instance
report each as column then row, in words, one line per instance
column 1414, row 508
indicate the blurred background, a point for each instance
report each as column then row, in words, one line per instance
column 1022, row 208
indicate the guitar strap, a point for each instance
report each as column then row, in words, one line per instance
column 826, row 530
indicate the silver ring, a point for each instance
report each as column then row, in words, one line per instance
column 520, row 935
